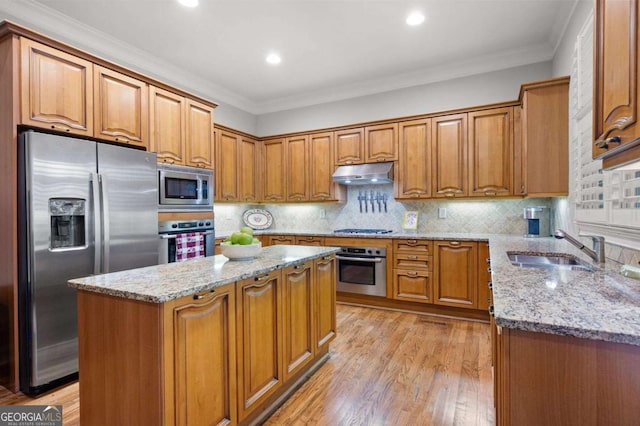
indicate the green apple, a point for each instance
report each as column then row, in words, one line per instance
column 247, row 230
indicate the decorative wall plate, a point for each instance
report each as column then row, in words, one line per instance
column 257, row 218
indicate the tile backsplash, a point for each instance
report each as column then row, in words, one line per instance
column 482, row 216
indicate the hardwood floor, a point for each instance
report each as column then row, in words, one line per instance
column 386, row 368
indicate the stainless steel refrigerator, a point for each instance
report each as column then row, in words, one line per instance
column 85, row 208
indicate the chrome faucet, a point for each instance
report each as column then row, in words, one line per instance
column 597, row 254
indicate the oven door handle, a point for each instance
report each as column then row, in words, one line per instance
column 361, row 259
column 173, row 236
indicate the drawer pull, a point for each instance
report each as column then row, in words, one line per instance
column 412, row 257
column 262, row 277
column 490, row 285
column 454, row 243
column 301, row 266
column 490, row 194
column 491, row 310
column 412, row 242
column 203, row 295
column 63, row 128
column 449, row 194
column 489, row 269
column 327, row 258
column 412, row 273
column 488, row 260
column 605, row 143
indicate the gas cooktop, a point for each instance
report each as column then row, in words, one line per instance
column 362, row 231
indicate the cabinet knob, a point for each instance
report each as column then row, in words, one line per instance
column 604, row 144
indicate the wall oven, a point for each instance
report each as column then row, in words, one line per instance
column 182, row 188
column 362, row 270
column 185, row 239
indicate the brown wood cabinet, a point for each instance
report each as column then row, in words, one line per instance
column 381, row 142
column 56, row 89
column 201, row 353
column 296, row 170
column 413, row 173
column 260, row 339
column 455, row 273
column 121, row 107
column 412, row 261
column 226, row 169
column 542, row 151
column 249, row 169
column 349, row 146
column 616, row 128
column 309, row 240
column 321, row 168
column 324, row 302
column 298, row 317
column 280, row 239
column 491, row 152
column 181, row 129
column 589, row 382
column 449, row 156
column 274, row 188
column 199, row 134
column 484, row 276
column 167, row 125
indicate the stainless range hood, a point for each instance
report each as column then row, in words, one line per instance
column 364, row 174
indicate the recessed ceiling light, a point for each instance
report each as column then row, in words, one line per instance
column 188, row 3
column 415, row 18
column 274, row 58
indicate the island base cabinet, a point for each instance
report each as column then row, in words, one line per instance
column 545, row 379
column 200, row 351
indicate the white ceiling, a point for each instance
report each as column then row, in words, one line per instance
column 331, row 49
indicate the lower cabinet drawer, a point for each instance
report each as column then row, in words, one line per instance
column 412, row 285
column 412, row 261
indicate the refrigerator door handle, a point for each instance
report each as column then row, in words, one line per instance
column 105, row 224
column 97, row 234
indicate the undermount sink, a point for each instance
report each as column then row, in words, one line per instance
column 548, row 261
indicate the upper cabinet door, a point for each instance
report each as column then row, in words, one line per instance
column 297, row 157
column 449, row 155
column 57, row 89
column 414, row 164
column 121, row 107
column 349, row 146
column 274, row 173
column 615, row 117
column 381, row 142
column 199, row 134
column 321, row 187
column 226, row 169
column 167, row 123
column 249, row 166
column 491, row 152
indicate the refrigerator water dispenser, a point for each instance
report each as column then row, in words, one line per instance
column 67, row 223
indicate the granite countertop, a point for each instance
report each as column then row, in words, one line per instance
column 600, row 305
column 394, row 234
column 163, row 283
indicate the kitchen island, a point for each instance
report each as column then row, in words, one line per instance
column 208, row 341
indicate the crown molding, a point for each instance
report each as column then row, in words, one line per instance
column 49, row 21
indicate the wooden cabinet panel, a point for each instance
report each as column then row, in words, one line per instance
column 274, row 170
column 281, row 239
column 167, row 125
column 412, row 286
column 542, row 152
column 320, row 164
column 616, row 75
column 298, row 317
column 204, row 358
column 309, row 240
column 484, row 276
column 260, row 343
column 199, row 134
column 349, row 146
column 296, row 170
column 491, row 152
column 413, row 246
column 226, row 168
column 413, row 174
column 56, row 89
column 121, row 112
column 449, row 156
column 325, row 301
column 249, row 167
column 381, row 142
column 454, row 273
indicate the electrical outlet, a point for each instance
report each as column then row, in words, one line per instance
column 442, row 212
column 323, row 213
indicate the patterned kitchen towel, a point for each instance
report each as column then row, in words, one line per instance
column 189, row 245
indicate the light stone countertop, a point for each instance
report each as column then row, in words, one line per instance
column 162, row 283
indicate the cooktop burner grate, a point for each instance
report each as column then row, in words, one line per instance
column 362, row 231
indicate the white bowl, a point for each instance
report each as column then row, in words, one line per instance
column 239, row 252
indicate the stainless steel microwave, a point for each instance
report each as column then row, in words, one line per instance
column 183, row 188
